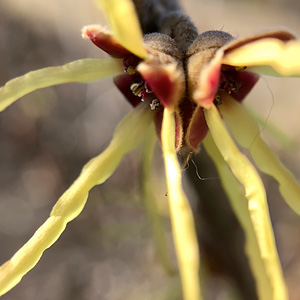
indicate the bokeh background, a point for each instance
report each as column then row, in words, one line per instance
column 108, row 251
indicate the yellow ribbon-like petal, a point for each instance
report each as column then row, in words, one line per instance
column 127, row 136
column 149, row 200
column 183, row 226
column 267, row 56
column 254, row 191
column 247, row 134
column 83, row 70
column 277, row 134
column 125, row 25
column 238, row 203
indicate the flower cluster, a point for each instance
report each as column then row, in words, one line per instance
column 188, row 86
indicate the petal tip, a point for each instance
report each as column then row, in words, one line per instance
column 91, row 31
column 103, row 38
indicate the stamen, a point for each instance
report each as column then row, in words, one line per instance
column 227, row 83
column 155, row 104
column 218, row 100
column 234, row 86
column 142, row 95
column 137, row 88
column 148, row 90
column 130, row 63
column 130, row 70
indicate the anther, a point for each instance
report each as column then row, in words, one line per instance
column 137, row 88
column 130, row 70
column 155, row 104
column 234, row 86
column 218, row 100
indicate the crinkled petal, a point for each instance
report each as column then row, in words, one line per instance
column 83, row 70
column 104, row 39
column 181, row 215
column 127, row 136
column 279, row 34
column 238, row 202
column 148, row 189
column 178, row 128
column 254, row 191
column 125, row 25
column 269, row 56
column 247, row 133
column 274, row 131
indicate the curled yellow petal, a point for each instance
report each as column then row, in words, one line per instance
column 149, row 200
column 125, row 25
column 268, row 56
column 247, row 134
column 238, row 203
column 83, row 70
column 254, row 192
column 272, row 129
column 183, row 226
column 126, row 137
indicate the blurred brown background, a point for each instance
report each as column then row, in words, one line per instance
column 108, row 251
